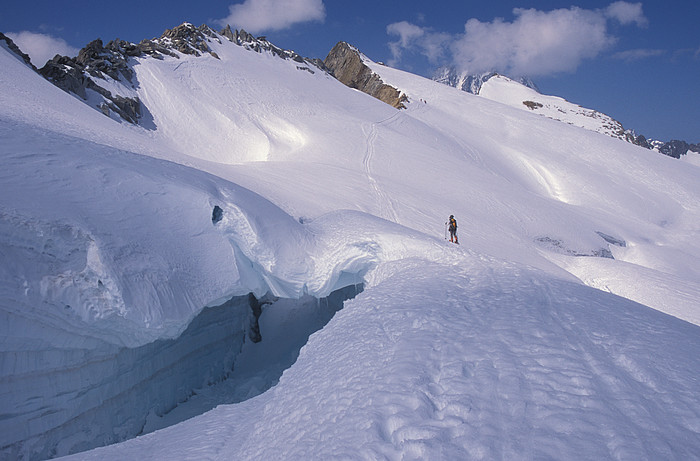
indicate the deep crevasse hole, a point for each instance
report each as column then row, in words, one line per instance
column 73, row 400
column 285, row 327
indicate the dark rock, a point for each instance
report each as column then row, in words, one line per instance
column 345, row 63
column 260, row 44
column 558, row 246
column 15, row 49
column 188, row 39
column 638, row 140
column 128, row 108
column 675, row 148
column 95, row 62
column 532, row 105
column 612, row 240
column 217, row 214
column 66, row 74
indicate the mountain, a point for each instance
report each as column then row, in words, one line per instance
column 257, row 268
column 524, row 94
column 472, row 83
column 103, row 76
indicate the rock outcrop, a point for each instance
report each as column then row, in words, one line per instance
column 345, row 63
column 83, row 73
column 676, row 148
column 15, row 49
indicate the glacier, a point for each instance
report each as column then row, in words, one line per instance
column 124, row 304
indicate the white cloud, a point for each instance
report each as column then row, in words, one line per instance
column 627, row 13
column 406, row 32
column 418, row 39
column 41, row 47
column 534, row 43
column 265, row 15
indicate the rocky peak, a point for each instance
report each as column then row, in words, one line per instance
column 260, row 44
column 676, row 148
column 346, row 64
column 97, row 62
column 188, row 39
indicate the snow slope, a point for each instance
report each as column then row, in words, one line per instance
column 496, row 347
column 573, row 187
column 506, row 91
column 477, row 361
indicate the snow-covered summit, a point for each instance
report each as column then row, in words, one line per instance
column 472, row 83
column 506, row 91
column 522, row 93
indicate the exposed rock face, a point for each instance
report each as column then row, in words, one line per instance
column 246, row 40
column 15, row 49
column 94, row 63
column 676, row 148
column 345, row 63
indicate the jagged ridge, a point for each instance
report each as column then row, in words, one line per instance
column 98, row 62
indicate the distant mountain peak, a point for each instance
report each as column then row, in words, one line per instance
column 472, row 83
column 554, row 107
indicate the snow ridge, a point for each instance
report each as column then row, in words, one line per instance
column 554, row 107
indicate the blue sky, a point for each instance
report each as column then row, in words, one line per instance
column 638, row 62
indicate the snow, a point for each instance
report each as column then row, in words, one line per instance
column 487, row 361
column 506, row 91
column 520, row 342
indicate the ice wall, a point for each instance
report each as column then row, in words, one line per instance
column 58, row 401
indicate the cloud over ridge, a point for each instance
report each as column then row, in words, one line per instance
column 534, row 43
column 267, row 15
column 41, row 47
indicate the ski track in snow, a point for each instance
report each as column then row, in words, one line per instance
column 387, row 209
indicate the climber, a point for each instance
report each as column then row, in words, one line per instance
column 452, row 226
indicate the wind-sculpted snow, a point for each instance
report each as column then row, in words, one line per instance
column 476, row 360
column 131, row 251
column 97, row 273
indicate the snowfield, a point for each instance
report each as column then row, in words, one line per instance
column 565, row 325
column 485, row 361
